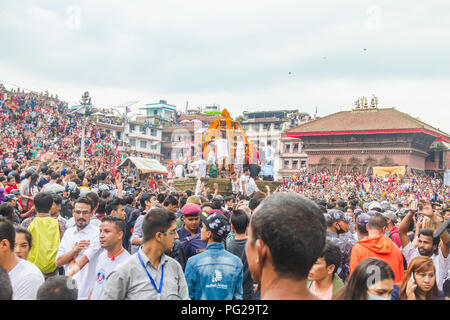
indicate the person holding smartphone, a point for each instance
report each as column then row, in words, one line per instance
column 428, row 245
column 419, row 282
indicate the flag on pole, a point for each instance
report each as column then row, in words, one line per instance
column 128, row 109
column 315, row 113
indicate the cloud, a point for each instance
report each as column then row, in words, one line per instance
column 241, row 54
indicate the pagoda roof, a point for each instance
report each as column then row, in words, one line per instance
column 371, row 121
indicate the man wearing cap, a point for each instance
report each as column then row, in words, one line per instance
column 337, row 229
column 190, row 233
column 215, row 274
column 392, row 230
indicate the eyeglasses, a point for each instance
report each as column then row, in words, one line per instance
column 170, row 232
column 85, row 213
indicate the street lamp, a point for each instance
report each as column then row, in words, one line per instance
column 85, row 110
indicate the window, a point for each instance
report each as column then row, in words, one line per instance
column 143, row 144
column 132, row 127
column 287, row 148
column 133, row 142
column 295, row 148
column 155, row 112
column 266, row 126
column 286, row 164
column 153, row 147
column 118, row 135
column 295, row 164
column 256, row 126
column 153, row 132
column 143, row 130
column 108, row 131
column 277, row 126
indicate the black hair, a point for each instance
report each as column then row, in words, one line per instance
column 7, row 211
column 94, row 197
column 207, row 204
column 28, row 235
column 119, row 223
column 294, row 229
column 170, row 200
column 357, row 286
column 7, row 232
column 101, row 206
column 57, row 199
column 332, row 255
column 188, row 193
column 113, row 205
column 55, row 176
column 43, row 202
column 217, row 204
column 58, row 288
column 183, row 201
column 105, row 194
column 6, row 291
column 129, row 199
column 160, row 197
column 227, row 198
column 157, row 220
column 429, row 233
column 85, row 200
column 253, row 203
column 145, row 197
column 239, row 221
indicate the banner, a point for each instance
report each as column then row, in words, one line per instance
column 384, row 171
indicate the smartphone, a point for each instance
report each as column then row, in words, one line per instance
column 413, row 205
column 412, row 277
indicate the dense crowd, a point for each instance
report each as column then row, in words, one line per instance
column 103, row 234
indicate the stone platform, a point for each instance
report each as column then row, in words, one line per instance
column 183, row 184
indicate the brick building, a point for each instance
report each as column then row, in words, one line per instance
column 360, row 139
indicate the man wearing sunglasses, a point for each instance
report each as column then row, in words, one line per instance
column 80, row 247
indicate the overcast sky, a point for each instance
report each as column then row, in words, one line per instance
column 243, row 55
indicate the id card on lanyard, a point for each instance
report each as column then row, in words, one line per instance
column 150, row 277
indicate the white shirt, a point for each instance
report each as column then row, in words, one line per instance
column 240, row 152
column 222, row 148
column 104, row 267
column 179, row 170
column 26, row 279
column 251, row 186
column 201, row 167
column 244, row 179
column 86, row 277
column 94, row 221
column 269, row 151
column 441, row 264
column 211, row 156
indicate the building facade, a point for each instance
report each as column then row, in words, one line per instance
column 358, row 140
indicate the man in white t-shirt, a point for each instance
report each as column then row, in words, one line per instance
column 112, row 231
column 240, row 155
column 200, row 166
column 179, row 171
column 269, row 153
column 25, row 277
column 251, row 187
column 80, row 248
column 243, row 181
column 222, row 153
column 428, row 245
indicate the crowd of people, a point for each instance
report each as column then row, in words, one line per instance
column 102, row 234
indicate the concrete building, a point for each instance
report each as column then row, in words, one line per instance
column 158, row 113
column 264, row 126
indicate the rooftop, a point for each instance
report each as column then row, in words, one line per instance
column 365, row 122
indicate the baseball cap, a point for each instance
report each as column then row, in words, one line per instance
column 219, row 197
column 216, row 222
column 194, row 199
column 388, row 214
column 336, row 214
column 190, row 209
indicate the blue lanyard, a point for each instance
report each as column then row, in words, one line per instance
column 151, row 279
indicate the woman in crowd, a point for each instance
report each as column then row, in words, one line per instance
column 372, row 279
column 419, row 282
column 23, row 242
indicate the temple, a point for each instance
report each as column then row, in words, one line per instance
column 365, row 137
